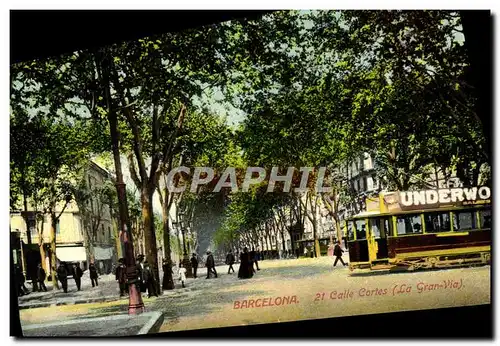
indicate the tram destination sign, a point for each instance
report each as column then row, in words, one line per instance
column 453, row 196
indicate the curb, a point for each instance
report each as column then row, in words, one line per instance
column 153, row 325
column 53, row 303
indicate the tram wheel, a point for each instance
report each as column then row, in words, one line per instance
column 432, row 261
column 487, row 258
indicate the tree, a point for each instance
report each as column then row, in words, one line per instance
column 408, row 88
column 53, row 171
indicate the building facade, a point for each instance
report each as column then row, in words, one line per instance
column 84, row 231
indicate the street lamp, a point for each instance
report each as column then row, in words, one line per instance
column 135, row 304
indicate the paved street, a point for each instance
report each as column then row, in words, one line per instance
column 286, row 290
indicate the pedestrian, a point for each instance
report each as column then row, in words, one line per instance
column 230, row 261
column 62, row 276
column 77, row 275
column 246, row 268
column 20, row 281
column 194, row 264
column 164, row 267
column 182, row 274
column 121, row 276
column 210, row 264
column 93, row 275
column 140, row 273
column 34, row 279
column 149, row 280
column 337, row 252
column 40, row 276
column 254, row 257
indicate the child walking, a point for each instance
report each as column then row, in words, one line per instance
column 182, row 274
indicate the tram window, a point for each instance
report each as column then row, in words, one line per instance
column 360, row 229
column 375, row 226
column 464, row 220
column 485, row 218
column 409, row 225
column 437, row 222
column 350, row 230
column 388, row 227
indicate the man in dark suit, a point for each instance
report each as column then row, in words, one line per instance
column 210, row 264
column 194, row 264
column 62, row 276
column 230, row 261
column 77, row 275
column 40, row 276
column 337, row 252
column 254, row 259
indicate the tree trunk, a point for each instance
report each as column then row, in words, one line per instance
column 118, row 244
column 42, row 256
column 40, row 246
column 53, row 259
column 25, row 202
column 149, row 232
column 317, row 252
column 168, row 281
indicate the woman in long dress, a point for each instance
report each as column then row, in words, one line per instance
column 245, row 271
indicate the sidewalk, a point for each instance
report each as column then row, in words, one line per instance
column 107, row 289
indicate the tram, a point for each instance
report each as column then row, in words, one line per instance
column 421, row 230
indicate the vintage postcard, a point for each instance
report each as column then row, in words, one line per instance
column 292, row 165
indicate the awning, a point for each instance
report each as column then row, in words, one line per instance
column 71, row 254
column 101, row 254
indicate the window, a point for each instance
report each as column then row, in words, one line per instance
column 485, row 218
column 374, row 178
column 350, row 230
column 360, row 230
column 109, row 232
column 388, row 229
column 411, row 224
column 370, row 183
column 365, row 183
column 375, row 227
column 437, row 222
column 464, row 220
column 377, row 230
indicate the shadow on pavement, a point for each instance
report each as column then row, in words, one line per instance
column 407, row 272
column 293, row 272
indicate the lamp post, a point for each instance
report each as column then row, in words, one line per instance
column 136, row 306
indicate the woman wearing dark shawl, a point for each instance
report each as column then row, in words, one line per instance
column 245, row 271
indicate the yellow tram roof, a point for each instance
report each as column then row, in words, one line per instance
column 368, row 214
column 388, row 203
